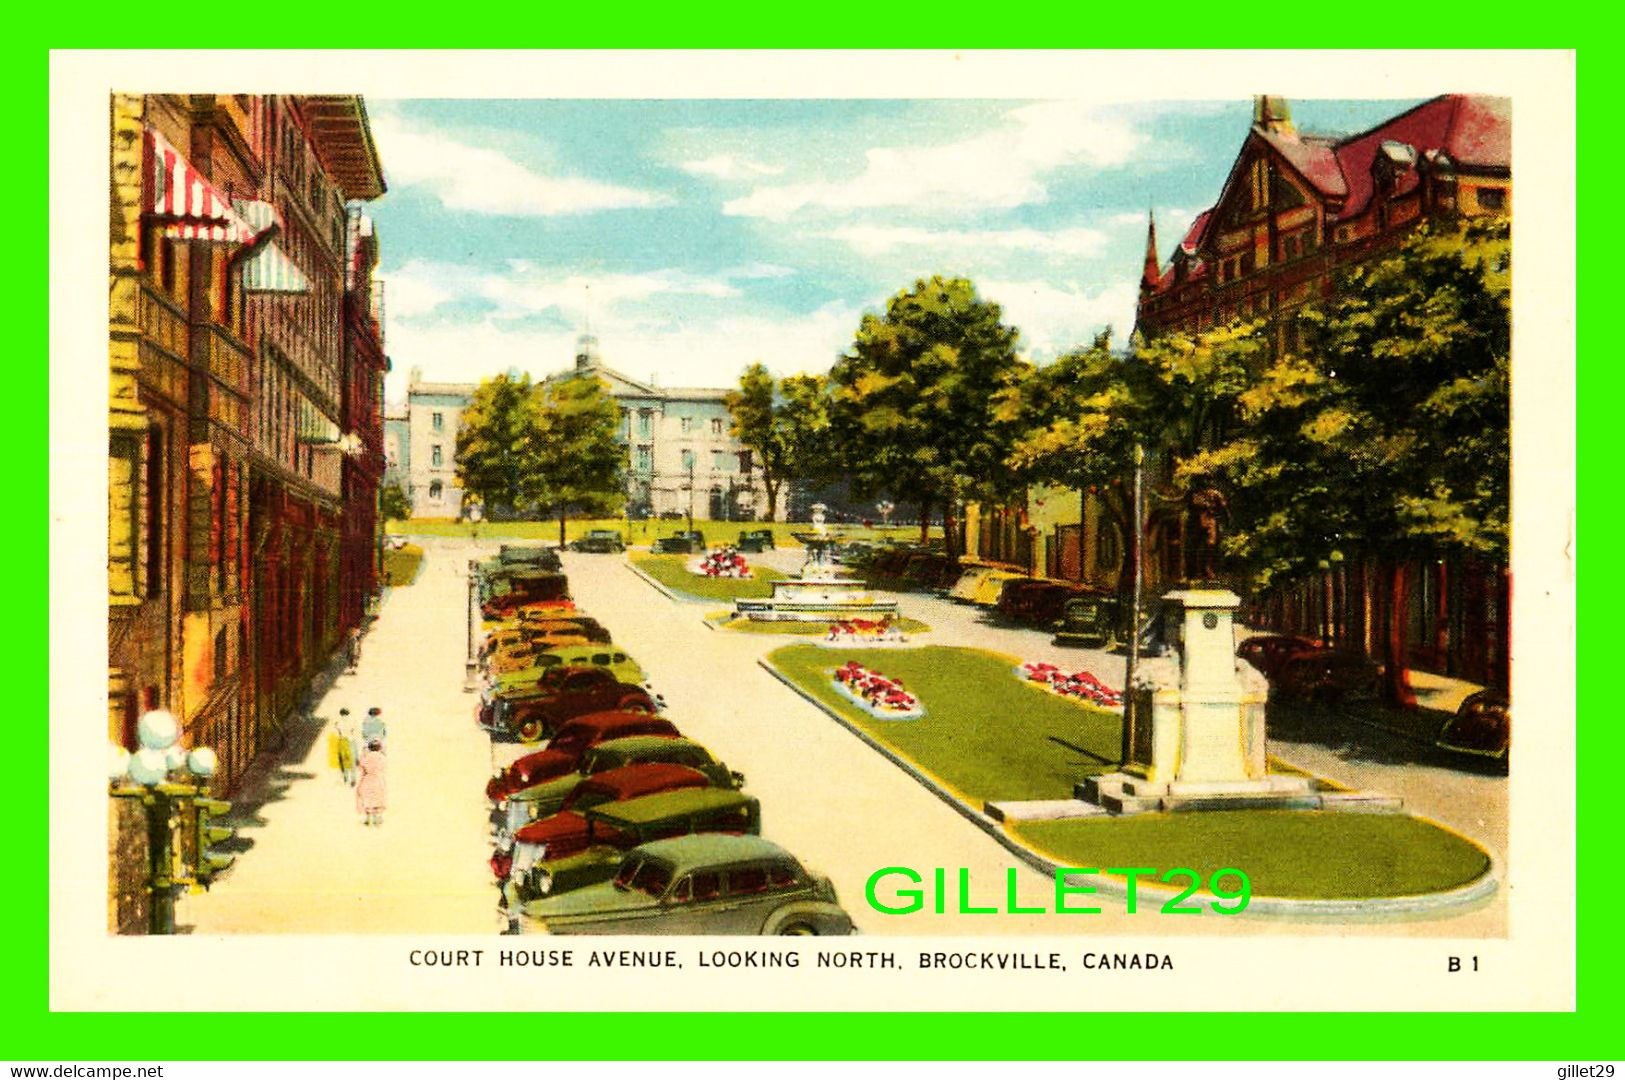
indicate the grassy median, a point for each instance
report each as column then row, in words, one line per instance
column 672, row 571
column 1290, row 854
column 986, row 733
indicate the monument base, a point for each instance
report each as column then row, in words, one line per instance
column 1121, row 793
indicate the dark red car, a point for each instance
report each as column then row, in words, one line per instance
column 561, row 694
column 1267, row 652
column 566, row 831
column 566, row 749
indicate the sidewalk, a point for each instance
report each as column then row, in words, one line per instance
column 310, row 865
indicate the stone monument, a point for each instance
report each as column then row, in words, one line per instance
column 1195, row 737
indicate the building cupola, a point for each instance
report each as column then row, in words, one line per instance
column 587, row 352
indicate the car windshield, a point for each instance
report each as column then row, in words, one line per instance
column 628, row 871
column 651, row 878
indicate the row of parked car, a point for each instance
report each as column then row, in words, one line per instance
column 692, row 542
column 619, row 824
column 1080, row 615
column 1300, row 669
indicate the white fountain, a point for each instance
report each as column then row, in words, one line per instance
column 821, row 593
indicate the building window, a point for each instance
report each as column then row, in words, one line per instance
column 646, row 459
column 716, row 427
column 643, row 422
column 688, row 461
column 153, row 523
column 744, row 461
column 687, row 423
column 435, row 455
column 438, row 421
column 721, row 461
column 436, row 489
column 1490, row 198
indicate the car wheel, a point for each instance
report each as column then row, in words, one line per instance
column 531, row 730
column 798, row 929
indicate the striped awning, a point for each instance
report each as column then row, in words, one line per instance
column 269, row 269
column 314, row 426
column 185, row 204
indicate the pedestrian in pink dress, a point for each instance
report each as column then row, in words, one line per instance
column 369, row 789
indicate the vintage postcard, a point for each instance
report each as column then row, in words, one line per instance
column 1062, row 531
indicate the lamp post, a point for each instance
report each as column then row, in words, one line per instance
column 168, row 779
column 1134, row 607
column 469, row 663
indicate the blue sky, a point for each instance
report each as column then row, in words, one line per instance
column 698, row 236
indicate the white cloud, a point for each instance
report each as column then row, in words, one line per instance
column 881, row 239
column 420, row 286
column 481, row 180
column 729, row 167
column 1054, row 318
column 999, row 168
column 711, row 353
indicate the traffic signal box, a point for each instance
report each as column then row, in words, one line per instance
column 210, row 830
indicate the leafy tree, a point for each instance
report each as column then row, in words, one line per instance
column 1083, row 416
column 917, row 404
column 394, row 504
column 577, row 460
column 783, row 424
column 496, row 445
column 1387, row 435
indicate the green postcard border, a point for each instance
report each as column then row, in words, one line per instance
column 35, row 1032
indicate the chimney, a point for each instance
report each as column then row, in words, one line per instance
column 1273, row 115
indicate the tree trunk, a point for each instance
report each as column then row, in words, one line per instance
column 950, row 524
column 772, row 488
column 561, row 527
column 1399, row 689
column 925, row 521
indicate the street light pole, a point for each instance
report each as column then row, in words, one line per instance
column 1134, row 612
column 691, row 494
column 469, row 665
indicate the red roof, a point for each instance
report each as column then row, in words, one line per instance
column 1473, row 131
column 1198, row 229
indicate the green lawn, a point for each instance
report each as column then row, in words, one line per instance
column 401, row 567
column 672, row 572
column 643, row 532
column 1292, row 854
column 987, row 733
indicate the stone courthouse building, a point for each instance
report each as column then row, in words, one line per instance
column 244, row 419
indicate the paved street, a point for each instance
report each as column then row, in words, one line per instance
column 825, row 795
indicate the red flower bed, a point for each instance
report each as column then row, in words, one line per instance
column 1080, row 684
column 881, row 694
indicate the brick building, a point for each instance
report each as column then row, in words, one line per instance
column 243, row 418
column 1295, row 210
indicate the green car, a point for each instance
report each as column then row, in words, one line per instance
column 698, row 885
column 569, row 850
column 528, row 804
column 623, row 667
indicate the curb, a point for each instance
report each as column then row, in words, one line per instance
column 666, row 591
column 1385, row 908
